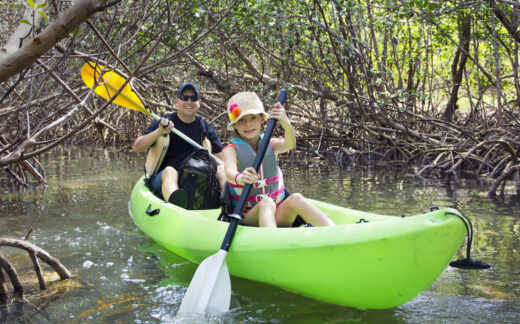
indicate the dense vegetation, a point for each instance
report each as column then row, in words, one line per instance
column 431, row 84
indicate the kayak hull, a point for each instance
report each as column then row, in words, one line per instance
column 380, row 262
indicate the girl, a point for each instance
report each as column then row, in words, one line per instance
column 266, row 206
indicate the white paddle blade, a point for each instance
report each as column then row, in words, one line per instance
column 210, row 288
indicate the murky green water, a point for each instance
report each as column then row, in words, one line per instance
column 82, row 219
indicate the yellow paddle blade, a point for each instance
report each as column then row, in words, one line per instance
column 109, row 84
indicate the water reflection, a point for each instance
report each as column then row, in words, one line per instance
column 81, row 218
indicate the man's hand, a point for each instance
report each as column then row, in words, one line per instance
column 165, row 129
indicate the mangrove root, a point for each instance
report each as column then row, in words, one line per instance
column 35, row 253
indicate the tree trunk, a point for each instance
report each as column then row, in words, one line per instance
column 498, row 83
column 458, row 65
column 510, row 24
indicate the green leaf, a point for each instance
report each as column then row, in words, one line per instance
column 31, row 3
column 44, row 16
column 25, row 21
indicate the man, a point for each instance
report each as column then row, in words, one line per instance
column 187, row 122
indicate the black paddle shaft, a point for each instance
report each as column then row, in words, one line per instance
column 235, row 217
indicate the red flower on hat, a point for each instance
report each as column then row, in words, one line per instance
column 234, row 112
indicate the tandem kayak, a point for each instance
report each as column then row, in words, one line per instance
column 367, row 261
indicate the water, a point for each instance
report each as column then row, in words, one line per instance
column 82, row 219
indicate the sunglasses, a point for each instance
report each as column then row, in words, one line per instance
column 186, row 98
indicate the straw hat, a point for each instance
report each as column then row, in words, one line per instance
column 241, row 104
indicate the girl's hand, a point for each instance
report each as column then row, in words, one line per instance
column 247, row 176
column 165, row 129
column 278, row 113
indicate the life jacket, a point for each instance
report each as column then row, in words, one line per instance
column 270, row 181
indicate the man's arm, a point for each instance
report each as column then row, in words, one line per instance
column 143, row 142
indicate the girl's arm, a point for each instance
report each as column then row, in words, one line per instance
column 229, row 156
column 288, row 142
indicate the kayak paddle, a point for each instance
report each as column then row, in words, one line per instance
column 210, row 287
column 110, row 82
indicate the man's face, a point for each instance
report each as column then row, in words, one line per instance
column 187, row 107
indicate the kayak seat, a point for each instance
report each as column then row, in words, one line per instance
column 148, row 184
column 227, row 207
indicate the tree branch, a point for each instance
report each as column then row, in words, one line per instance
column 17, row 61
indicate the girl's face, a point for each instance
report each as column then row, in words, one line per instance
column 249, row 126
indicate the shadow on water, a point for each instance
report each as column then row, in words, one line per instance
column 82, row 219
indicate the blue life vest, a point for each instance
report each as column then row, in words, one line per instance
column 270, row 182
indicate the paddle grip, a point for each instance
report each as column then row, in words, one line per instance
column 247, row 188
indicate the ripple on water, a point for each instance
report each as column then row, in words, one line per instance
column 451, row 308
column 88, row 224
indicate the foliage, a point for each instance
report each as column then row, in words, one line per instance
column 361, row 73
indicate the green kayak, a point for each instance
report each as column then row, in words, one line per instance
column 367, row 261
